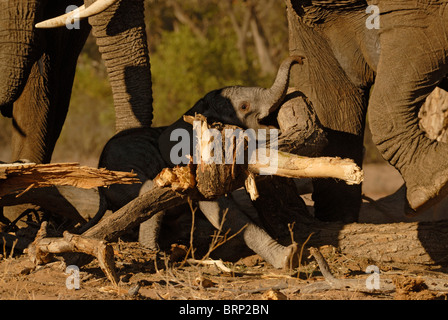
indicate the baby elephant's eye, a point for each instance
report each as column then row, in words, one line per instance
column 245, row 107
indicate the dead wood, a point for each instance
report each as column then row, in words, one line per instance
column 418, row 243
column 19, row 178
column 42, row 249
column 137, row 211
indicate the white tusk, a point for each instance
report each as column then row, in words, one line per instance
column 61, row 20
column 77, row 14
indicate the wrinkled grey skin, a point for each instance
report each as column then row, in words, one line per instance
column 38, row 67
column 405, row 59
column 140, row 151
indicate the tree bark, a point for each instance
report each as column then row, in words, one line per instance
column 424, row 243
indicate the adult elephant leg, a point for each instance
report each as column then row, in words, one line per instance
column 255, row 238
column 121, row 38
column 335, row 200
column 39, row 113
column 340, row 106
column 412, row 63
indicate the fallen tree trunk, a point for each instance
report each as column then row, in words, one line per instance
column 424, row 243
column 136, row 212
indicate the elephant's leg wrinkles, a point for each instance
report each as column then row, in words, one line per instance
column 255, row 238
column 404, row 79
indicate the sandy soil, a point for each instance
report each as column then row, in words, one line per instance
column 148, row 275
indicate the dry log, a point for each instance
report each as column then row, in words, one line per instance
column 293, row 166
column 137, row 211
column 287, row 165
column 419, row 243
column 19, row 178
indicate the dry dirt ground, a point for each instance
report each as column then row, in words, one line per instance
column 148, row 275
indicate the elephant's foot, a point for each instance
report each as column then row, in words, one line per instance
column 281, row 257
column 427, row 182
column 422, row 197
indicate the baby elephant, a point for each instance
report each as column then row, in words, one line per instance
column 146, row 151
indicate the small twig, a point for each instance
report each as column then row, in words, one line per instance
column 215, row 243
column 301, row 253
column 323, row 265
column 12, row 248
column 218, row 263
column 193, row 213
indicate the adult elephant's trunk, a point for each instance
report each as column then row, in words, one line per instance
column 122, row 41
column 276, row 94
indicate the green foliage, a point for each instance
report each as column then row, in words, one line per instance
column 185, row 68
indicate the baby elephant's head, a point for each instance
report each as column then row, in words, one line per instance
column 247, row 107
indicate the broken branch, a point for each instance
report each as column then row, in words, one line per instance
column 41, row 250
column 19, row 178
column 294, row 166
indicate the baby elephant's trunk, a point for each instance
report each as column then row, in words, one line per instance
column 276, row 94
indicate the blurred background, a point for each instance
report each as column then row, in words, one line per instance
column 195, row 46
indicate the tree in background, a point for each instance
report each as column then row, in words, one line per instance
column 198, row 46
